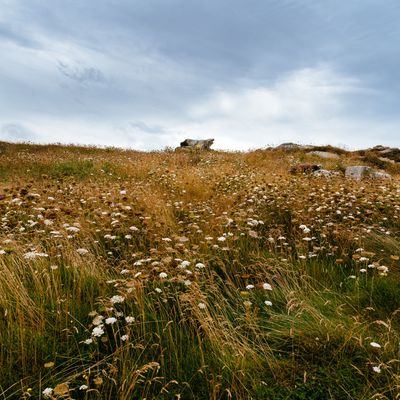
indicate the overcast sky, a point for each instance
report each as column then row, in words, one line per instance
column 148, row 74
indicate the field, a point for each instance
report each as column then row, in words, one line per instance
column 195, row 275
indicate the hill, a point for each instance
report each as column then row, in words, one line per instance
column 197, row 275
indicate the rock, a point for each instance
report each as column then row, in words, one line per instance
column 325, row 173
column 359, row 172
column 291, row 147
column 304, row 168
column 323, row 154
column 197, row 144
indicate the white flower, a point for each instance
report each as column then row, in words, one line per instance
column 72, row 229
column 124, row 338
column 247, row 303
column 200, row 266
column 267, row 286
column 162, row 275
column 376, row 369
column 128, row 236
column 221, row 239
column 363, row 270
column 111, row 320
column 98, row 331
column 117, row 299
column 249, row 287
column 187, row 282
column 122, row 192
column 47, row 392
column 129, row 319
column 88, row 341
column 125, row 271
column 82, row 252
column 83, row 387
column 375, row 345
column 185, row 264
column 268, row 303
column 158, row 290
column 202, row 306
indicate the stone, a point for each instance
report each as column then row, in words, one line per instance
column 197, row 144
column 323, row 154
column 359, row 172
column 325, row 173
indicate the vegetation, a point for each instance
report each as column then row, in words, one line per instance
column 128, row 275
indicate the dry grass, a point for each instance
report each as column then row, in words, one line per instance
column 195, row 276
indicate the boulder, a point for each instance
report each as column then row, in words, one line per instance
column 323, row 154
column 197, row 144
column 325, row 173
column 359, row 172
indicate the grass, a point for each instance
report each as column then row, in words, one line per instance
column 275, row 287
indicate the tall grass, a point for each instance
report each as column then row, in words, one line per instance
column 212, row 275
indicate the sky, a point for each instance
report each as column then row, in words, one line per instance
column 250, row 74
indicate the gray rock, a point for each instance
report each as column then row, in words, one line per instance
column 197, row 144
column 325, row 173
column 359, row 172
column 323, row 154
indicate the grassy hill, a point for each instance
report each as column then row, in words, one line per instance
column 215, row 275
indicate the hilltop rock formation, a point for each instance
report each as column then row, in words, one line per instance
column 197, row 144
column 359, row 172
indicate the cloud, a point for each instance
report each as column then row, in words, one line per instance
column 81, row 74
column 16, row 132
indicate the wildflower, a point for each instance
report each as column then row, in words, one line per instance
column 267, row 286
column 158, row 290
column 202, row 306
column 249, row 287
column 376, row 369
column 185, row 264
column 247, row 303
column 111, row 321
column 200, row 266
column 375, row 345
column 221, row 239
column 129, row 319
column 124, row 338
column 125, row 271
column 47, row 392
column 128, row 236
column 88, row 341
column 98, row 331
column 363, row 270
column 187, row 282
column 162, row 275
column 117, row 299
column 268, row 303
column 82, row 252
column 83, row 387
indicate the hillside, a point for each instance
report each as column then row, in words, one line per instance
column 197, row 275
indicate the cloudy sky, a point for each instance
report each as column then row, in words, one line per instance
column 148, row 74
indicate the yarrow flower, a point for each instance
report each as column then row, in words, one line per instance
column 98, row 331
column 88, row 341
column 82, row 252
column 129, row 319
column 375, row 345
column 376, row 369
column 267, row 286
column 83, row 387
column 124, row 338
column 162, row 275
column 47, row 392
column 202, row 306
column 249, row 287
column 158, row 290
column 111, row 320
column 117, row 299
column 268, row 303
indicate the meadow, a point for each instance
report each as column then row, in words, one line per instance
column 195, row 275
